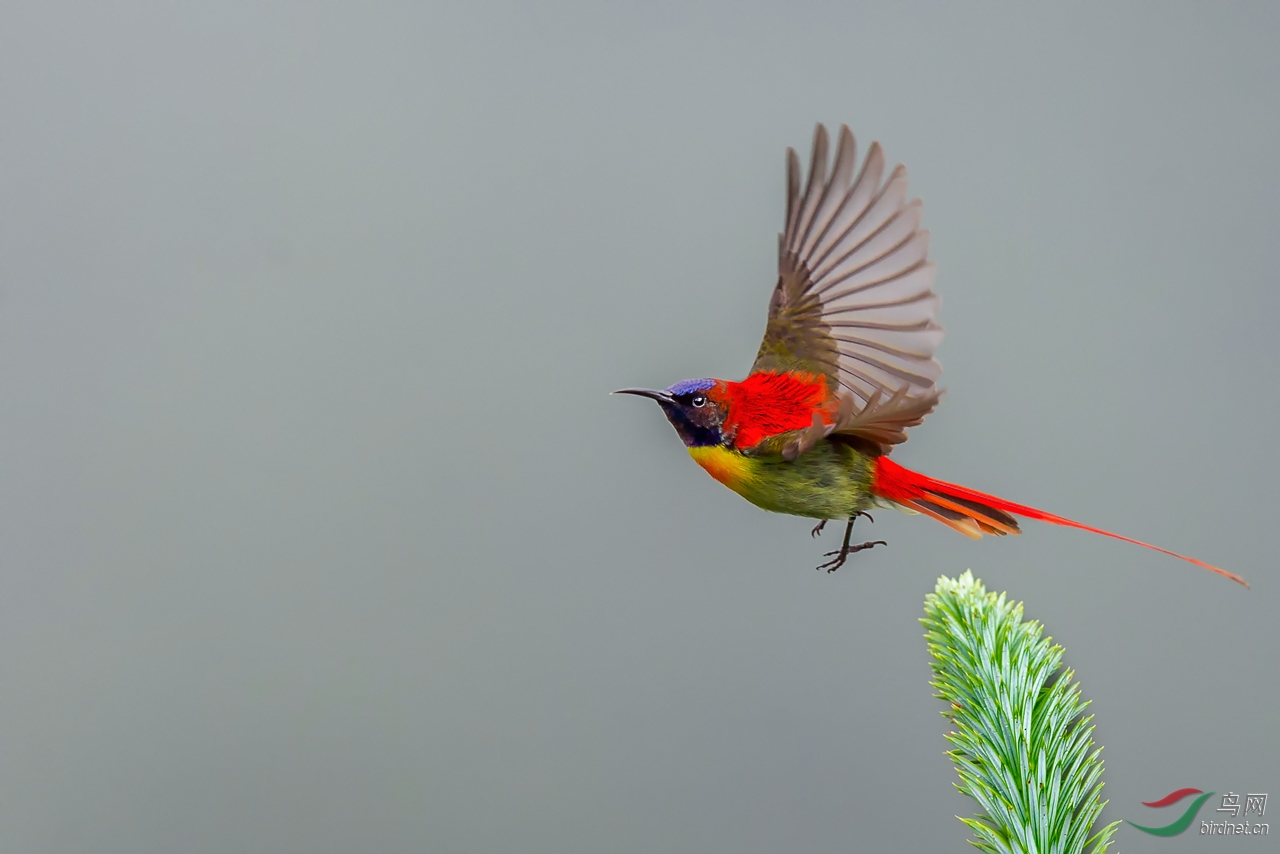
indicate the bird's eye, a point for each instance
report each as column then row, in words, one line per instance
column 698, row 401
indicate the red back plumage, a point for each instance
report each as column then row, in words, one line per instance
column 767, row 404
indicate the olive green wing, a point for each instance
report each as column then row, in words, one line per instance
column 854, row 300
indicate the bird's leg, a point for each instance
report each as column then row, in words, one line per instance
column 817, row 529
column 842, row 554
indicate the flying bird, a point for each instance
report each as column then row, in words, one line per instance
column 846, row 367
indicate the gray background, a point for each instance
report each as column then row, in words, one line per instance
column 320, row 531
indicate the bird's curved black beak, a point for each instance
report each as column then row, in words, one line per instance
column 660, row 396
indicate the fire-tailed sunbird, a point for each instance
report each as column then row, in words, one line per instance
column 845, row 368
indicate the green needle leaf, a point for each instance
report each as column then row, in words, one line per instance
column 1023, row 746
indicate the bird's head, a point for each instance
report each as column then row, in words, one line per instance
column 696, row 408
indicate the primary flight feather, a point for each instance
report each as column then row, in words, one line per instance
column 845, row 368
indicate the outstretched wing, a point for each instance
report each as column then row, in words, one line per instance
column 854, row 300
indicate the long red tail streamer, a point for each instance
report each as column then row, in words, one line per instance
column 974, row 513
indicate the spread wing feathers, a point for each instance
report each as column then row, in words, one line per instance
column 885, row 422
column 882, row 422
column 854, row 300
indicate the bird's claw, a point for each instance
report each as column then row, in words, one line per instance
column 842, row 554
column 817, row 529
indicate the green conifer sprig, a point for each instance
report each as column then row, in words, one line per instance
column 1022, row 744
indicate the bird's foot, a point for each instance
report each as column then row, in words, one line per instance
column 842, row 554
